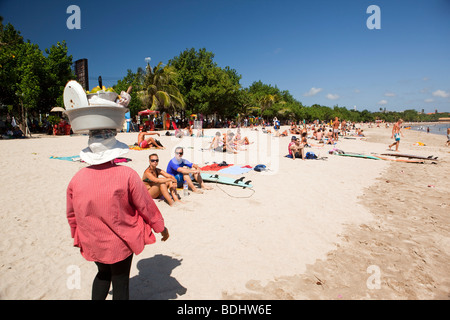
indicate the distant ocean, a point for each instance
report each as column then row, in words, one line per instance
column 436, row 128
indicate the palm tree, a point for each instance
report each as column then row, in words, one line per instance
column 267, row 101
column 161, row 91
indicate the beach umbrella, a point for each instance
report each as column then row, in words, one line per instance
column 58, row 109
column 147, row 112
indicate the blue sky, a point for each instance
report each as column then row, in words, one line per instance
column 321, row 51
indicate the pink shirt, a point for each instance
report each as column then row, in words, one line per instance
column 110, row 213
column 289, row 147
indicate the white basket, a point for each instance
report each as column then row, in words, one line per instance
column 95, row 118
column 84, row 117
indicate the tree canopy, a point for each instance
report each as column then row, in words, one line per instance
column 30, row 80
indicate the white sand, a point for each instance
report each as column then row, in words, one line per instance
column 220, row 241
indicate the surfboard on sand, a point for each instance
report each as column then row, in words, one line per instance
column 411, row 156
column 400, row 160
column 213, row 177
column 357, row 155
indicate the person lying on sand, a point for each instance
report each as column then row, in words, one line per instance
column 149, row 142
column 156, row 186
column 239, row 140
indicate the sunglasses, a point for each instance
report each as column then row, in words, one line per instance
column 180, row 153
column 154, row 160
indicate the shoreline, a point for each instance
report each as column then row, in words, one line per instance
column 398, row 255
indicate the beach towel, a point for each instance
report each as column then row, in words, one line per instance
column 235, row 170
column 72, row 158
column 133, row 147
column 215, row 167
column 120, row 160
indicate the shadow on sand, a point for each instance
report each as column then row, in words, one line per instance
column 154, row 281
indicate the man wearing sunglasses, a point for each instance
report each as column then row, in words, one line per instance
column 184, row 170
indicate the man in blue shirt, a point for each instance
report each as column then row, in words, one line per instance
column 177, row 168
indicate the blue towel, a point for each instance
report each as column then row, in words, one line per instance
column 72, row 158
column 235, row 170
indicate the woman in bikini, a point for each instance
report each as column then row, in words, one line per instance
column 166, row 186
column 149, row 142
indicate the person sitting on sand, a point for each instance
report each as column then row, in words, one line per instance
column 177, row 168
column 330, row 137
column 304, row 140
column 293, row 129
column 319, row 135
column 239, row 141
column 359, row 133
column 156, row 186
column 149, row 142
column 228, row 142
column 217, row 143
column 296, row 149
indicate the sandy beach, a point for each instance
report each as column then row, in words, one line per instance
column 336, row 228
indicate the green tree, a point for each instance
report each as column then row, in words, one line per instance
column 29, row 81
column 205, row 86
column 161, row 89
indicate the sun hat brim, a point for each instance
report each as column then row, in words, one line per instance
column 114, row 152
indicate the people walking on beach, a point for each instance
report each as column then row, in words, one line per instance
column 177, row 168
column 156, row 186
column 396, row 132
column 111, row 214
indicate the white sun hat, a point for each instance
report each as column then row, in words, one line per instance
column 103, row 147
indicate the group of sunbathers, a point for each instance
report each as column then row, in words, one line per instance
column 228, row 142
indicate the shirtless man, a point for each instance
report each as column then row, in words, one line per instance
column 156, row 185
column 297, row 149
column 149, row 142
column 396, row 132
column 335, row 128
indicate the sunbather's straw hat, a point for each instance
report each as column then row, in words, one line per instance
column 103, row 147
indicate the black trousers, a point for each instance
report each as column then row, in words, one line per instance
column 118, row 274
